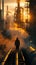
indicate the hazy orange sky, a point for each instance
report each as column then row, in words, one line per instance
column 12, row 4
column 12, row 1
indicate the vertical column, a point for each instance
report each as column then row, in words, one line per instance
column 26, row 13
column 3, row 14
column 2, row 8
column 0, row 14
column 0, row 4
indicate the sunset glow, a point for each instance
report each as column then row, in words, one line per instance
column 11, row 8
column 26, row 16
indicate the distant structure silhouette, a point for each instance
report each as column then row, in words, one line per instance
column 17, row 44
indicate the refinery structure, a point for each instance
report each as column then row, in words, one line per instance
column 21, row 15
column 18, row 26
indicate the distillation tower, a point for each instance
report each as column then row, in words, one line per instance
column 21, row 15
column 18, row 18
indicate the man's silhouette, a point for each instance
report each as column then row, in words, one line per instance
column 17, row 44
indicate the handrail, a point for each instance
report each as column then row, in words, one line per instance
column 6, row 57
